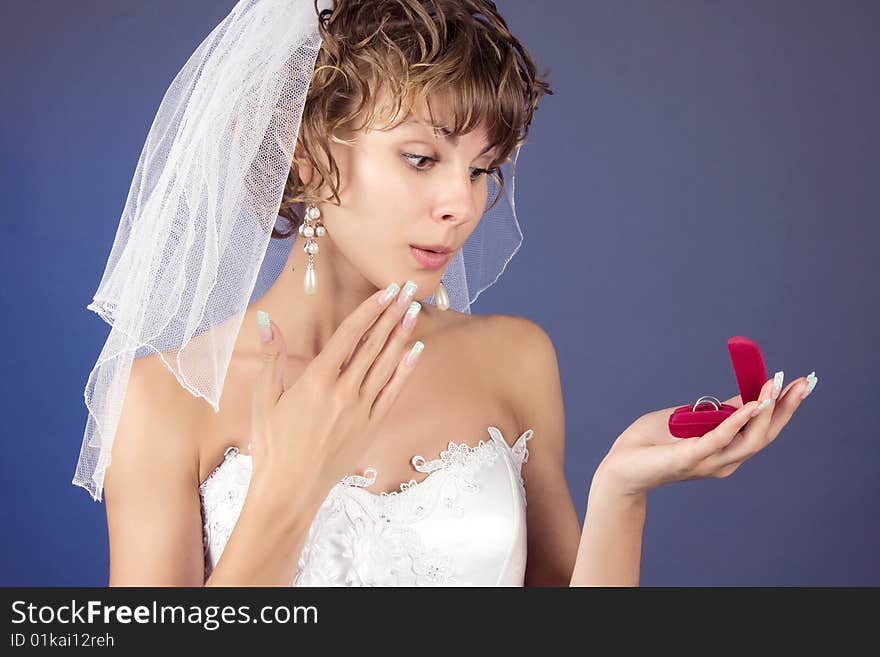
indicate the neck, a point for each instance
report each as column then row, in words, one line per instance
column 308, row 321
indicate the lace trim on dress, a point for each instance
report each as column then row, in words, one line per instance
column 368, row 539
column 520, row 454
column 230, row 452
column 456, row 456
column 519, row 447
column 459, row 462
column 368, row 478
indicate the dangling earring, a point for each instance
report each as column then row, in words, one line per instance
column 441, row 297
column 310, row 228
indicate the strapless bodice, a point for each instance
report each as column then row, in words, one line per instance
column 463, row 525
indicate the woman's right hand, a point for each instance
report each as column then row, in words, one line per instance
column 306, row 438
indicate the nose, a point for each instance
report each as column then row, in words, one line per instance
column 457, row 200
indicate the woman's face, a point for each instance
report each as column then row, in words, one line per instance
column 404, row 187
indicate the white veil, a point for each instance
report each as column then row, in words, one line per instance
column 193, row 245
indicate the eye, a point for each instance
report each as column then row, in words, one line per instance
column 422, row 159
column 409, row 157
column 475, row 173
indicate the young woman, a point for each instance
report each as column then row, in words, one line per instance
column 357, row 436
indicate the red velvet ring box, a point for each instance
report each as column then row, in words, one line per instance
column 748, row 366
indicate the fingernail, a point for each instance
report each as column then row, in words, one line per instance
column 263, row 324
column 812, row 379
column 389, row 293
column 777, row 384
column 408, row 290
column 414, row 353
column 409, row 319
column 760, row 407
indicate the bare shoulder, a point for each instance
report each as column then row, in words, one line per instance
column 158, row 424
column 495, row 329
column 524, row 359
column 521, row 333
column 517, row 352
column 151, row 381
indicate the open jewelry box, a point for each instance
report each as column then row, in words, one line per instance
column 708, row 412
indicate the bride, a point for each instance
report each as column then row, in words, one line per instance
column 354, row 433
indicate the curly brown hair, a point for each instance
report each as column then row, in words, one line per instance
column 460, row 51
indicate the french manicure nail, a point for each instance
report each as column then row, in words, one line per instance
column 760, row 407
column 414, row 353
column 777, row 384
column 408, row 291
column 389, row 293
column 264, row 328
column 812, row 379
column 409, row 319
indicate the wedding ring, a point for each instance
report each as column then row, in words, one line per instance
column 709, row 400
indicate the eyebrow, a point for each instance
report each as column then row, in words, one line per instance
column 445, row 131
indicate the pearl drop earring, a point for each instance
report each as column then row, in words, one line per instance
column 441, row 297
column 310, row 228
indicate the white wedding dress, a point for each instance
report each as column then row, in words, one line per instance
column 463, row 525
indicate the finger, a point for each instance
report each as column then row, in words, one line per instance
column 370, row 332
column 269, row 386
column 366, row 353
column 754, row 437
column 787, row 403
column 391, row 391
column 699, row 449
column 386, row 363
column 737, row 400
column 347, row 335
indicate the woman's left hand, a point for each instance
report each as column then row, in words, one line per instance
column 646, row 455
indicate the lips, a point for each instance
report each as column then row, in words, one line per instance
column 430, row 259
column 435, row 248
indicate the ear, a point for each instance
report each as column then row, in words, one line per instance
column 304, row 168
